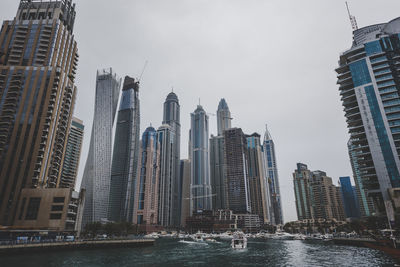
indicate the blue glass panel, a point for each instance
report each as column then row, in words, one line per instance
column 383, row 137
column 381, row 58
column 373, row 48
column 360, row 73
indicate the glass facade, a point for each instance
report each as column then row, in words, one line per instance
column 200, row 185
column 146, row 199
column 271, row 169
column 350, row 203
column 171, row 117
column 124, row 169
column 369, row 87
column 97, row 173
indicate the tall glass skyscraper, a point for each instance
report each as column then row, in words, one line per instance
column 165, row 137
column 258, row 184
column 38, row 62
column 146, row 193
column 369, row 86
column 273, row 179
column 236, row 162
column 124, row 168
column 97, row 173
column 223, row 117
column 218, row 173
column 171, row 117
column 200, row 184
column 185, row 180
column 217, row 158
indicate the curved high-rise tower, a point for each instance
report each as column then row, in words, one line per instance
column 96, row 176
column 200, row 184
column 124, row 170
column 171, row 117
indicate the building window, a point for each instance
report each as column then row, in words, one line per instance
column 57, row 208
column 140, row 219
column 21, row 212
column 58, row 199
column 33, row 208
column 55, row 216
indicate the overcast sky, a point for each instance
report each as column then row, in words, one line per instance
column 272, row 60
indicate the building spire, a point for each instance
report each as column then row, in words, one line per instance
column 267, row 135
column 352, row 18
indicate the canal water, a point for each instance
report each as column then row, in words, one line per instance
column 172, row 252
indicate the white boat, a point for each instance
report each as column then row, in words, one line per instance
column 226, row 235
column 152, row 235
column 198, row 237
column 282, row 235
column 210, row 240
column 239, row 241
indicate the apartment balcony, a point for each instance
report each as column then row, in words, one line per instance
column 345, row 79
column 71, row 212
column 348, row 96
column 356, row 56
column 387, row 91
column 349, row 115
column 380, row 66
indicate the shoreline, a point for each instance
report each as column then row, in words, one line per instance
column 73, row 245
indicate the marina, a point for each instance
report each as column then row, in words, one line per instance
column 168, row 251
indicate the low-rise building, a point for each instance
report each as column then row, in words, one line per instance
column 50, row 209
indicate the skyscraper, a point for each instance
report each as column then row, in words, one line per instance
column 302, row 192
column 223, row 117
column 258, row 185
column 171, row 117
column 316, row 196
column 369, row 87
column 72, row 154
column 97, row 173
column 273, row 179
column 349, row 198
column 124, row 168
column 185, row 180
column 365, row 202
column 218, row 173
column 200, row 184
column 38, row 61
column 146, row 192
column 217, row 163
column 236, row 162
column 165, row 137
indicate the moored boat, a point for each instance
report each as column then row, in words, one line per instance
column 239, row 241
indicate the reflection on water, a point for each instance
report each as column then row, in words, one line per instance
column 171, row 252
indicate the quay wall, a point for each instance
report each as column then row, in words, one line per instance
column 86, row 244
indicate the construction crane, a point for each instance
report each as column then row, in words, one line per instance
column 141, row 74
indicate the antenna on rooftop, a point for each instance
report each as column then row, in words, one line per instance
column 353, row 20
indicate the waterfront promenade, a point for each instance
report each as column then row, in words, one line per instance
column 71, row 245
